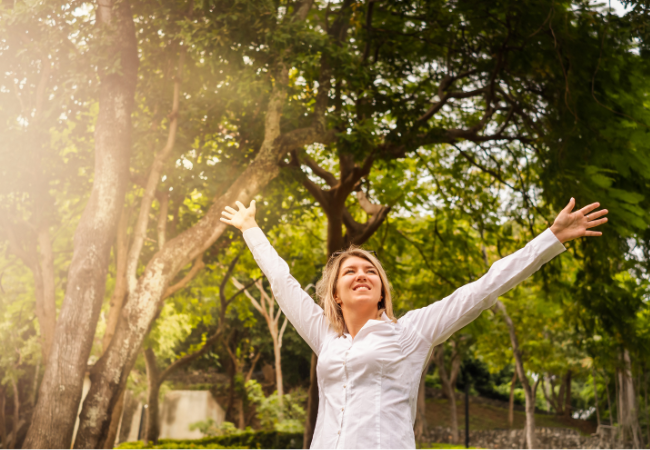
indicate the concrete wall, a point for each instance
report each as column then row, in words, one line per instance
column 178, row 410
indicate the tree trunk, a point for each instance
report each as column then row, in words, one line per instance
column 15, row 426
column 117, row 300
column 55, row 413
column 448, row 388
column 114, row 427
column 511, row 404
column 119, row 292
column 232, row 369
column 619, row 420
column 567, row 399
column 279, row 385
column 312, row 403
column 47, row 322
column 152, row 428
column 593, row 377
column 241, row 417
column 521, row 373
column 609, row 402
column 421, row 417
column 3, row 427
column 628, row 401
column 647, row 411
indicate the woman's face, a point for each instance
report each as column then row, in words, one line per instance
column 358, row 285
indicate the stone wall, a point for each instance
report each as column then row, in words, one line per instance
column 605, row 437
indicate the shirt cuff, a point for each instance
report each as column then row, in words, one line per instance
column 255, row 237
column 549, row 245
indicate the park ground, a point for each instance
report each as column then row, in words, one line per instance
column 489, row 417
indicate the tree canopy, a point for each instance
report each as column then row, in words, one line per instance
column 443, row 135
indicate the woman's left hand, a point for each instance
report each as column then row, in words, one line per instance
column 571, row 225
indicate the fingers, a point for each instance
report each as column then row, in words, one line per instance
column 593, row 233
column 227, row 214
column 569, row 207
column 589, row 208
column 597, row 214
column 240, row 205
column 224, row 220
column 595, row 223
column 230, row 209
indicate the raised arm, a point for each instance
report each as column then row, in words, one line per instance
column 305, row 315
column 438, row 321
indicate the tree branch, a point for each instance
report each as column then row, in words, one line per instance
column 140, row 229
column 253, row 300
column 187, row 359
column 328, row 177
column 196, row 267
column 162, row 219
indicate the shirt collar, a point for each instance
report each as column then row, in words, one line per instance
column 370, row 323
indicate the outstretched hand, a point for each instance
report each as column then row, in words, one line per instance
column 242, row 219
column 571, row 225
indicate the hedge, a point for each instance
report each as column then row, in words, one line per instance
column 247, row 439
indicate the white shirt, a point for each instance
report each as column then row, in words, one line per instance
column 368, row 385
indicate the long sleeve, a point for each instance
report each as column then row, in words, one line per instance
column 305, row 315
column 436, row 322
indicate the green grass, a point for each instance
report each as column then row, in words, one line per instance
column 440, row 445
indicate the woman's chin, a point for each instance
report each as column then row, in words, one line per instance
column 363, row 301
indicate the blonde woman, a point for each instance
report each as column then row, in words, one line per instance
column 370, row 363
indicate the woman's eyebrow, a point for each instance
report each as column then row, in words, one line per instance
column 364, row 266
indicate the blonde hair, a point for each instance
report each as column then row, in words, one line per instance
column 326, row 287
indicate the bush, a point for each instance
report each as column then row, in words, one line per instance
column 210, row 428
column 288, row 419
column 247, row 439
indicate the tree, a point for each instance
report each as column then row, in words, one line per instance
column 453, row 117
column 176, row 253
column 157, row 375
column 266, row 307
column 529, row 390
column 449, row 384
column 60, row 391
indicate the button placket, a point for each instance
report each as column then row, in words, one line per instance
column 345, row 396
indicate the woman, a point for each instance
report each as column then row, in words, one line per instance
column 369, row 363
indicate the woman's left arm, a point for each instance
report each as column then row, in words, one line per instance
column 438, row 321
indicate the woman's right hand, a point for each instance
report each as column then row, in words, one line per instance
column 242, row 219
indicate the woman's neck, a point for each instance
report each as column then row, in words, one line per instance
column 355, row 320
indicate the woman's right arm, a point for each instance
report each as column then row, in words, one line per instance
column 305, row 315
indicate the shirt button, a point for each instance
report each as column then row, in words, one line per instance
column 344, row 386
column 342, row 409
column 338, row 432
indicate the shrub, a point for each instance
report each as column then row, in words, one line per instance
column 211, row 428
column 246, row 439
column 288, row 419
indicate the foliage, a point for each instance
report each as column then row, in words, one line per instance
column 247, row 439
column 210, row 428
column 288, row 419
column 570, row 91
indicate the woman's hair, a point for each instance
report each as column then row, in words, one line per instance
column 326, row 287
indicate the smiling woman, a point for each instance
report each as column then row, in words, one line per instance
column 369, row 364
column 354, row 289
